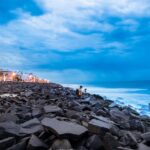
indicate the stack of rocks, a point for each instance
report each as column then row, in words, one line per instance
column 51, row 117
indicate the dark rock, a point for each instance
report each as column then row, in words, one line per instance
column 123, row 148
column 120, row 118
column 120, row 128
column 138, row 136
column 143, row 147
column 31, row 126
column 10, row 127
column 27, row 93
column 8, row 117
column 81, row 148
column 98, row 126
column 146, row 137
column 101, row 112
column 20, row 146
column 51, row 109
column 94, row 143
column 129, row 140
column 36, row 112
column 133, row 141
column 73, row 114
column 31, row 130
column 62, row 144
column 137, row 125
column 104, row 119
column 64, row 127
column 36, row 143
column 115, row 131
column 5, row 143
column 30, row 123
column 110, row 142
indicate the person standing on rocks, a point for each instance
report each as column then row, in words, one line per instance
column 79, row 92
column 85, row 91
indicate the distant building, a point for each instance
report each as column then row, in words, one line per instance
column 9, row 76
column 6, row 75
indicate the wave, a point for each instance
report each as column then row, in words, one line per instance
column 137, row 98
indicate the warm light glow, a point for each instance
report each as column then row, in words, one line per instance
column 13, row 74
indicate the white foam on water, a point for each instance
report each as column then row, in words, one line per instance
column 8, row 95
column 137, row 98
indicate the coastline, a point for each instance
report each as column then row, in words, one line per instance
column 55, row 116
column 136, row 98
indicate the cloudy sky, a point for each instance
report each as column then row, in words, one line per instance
column 76, row 41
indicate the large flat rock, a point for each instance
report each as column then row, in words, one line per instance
column 63, row 128
column 99, row 126
column 10, row 127
column 31, row 126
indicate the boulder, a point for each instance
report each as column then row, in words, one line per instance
column 7, row 142
column 128, row 139
column 9, row 127
column 81, row 148
column 61, row 128
column 19, row 146
column 94, row 143
column 61, row 144
column 36, row 112
column 123, row 148
column 27, row 93
column 98, row 126
column 8, row 117
column 30, row 123
column 133, row 141
column 146, row 137
column 30, row 127
column 51, row 109
column 110, row 142
column 31, row 130
column 104, row 119
column 120, row 117
column 143, row 147
column 36, row 143
column 136, row 124
column 73, row 114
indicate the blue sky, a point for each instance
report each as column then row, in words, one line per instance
column 78, row 41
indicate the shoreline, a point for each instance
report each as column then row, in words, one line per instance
column 53, row 115
column 136, row 98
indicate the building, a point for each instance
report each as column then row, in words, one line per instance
column 9, row 76
column 14, row 76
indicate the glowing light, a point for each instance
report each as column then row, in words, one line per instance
column 13, row 74
column 20, row 77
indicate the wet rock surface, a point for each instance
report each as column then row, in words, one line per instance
column 51, row 117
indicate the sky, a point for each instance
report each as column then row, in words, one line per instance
column 76, row 41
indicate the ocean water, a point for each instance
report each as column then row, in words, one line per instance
column 133, row 94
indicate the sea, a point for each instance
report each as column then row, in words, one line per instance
column 135, row 94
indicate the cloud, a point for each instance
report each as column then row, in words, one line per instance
column 90, row 40
column 96, row 7
column 66, row 76
column 10, row 8
column 13, row 61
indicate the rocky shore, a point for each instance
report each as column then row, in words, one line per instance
column 37, row 116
